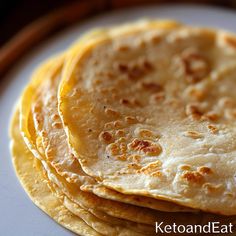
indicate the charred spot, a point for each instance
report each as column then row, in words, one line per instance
column 153, row 87
column 193, row 177
column 106, row 136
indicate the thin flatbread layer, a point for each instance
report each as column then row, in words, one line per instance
column 145, row 116
column 99, row 221
column 90, row 201
column 72, row 191
column 168, row 217
column 36, row 186
column 50, row 129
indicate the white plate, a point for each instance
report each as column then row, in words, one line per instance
column 18, row 215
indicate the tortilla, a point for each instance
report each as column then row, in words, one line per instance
column 50, row 130
column 138, row 118
column 72, row 190
column 132, row 125
column 36, row 186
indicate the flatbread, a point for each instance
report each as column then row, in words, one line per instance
column 136, row 109
column 99, row 221
column 143, row 131
column 34, row 183
column 49, row 201
column 116, row 226
column 72, row 190
column 50, row 130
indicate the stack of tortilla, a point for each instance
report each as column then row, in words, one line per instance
column 132, row 125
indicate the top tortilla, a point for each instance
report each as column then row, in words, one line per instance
column 151, row 112
column 50, row 130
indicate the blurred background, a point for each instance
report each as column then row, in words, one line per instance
column 15, row 14
column 26, row 23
